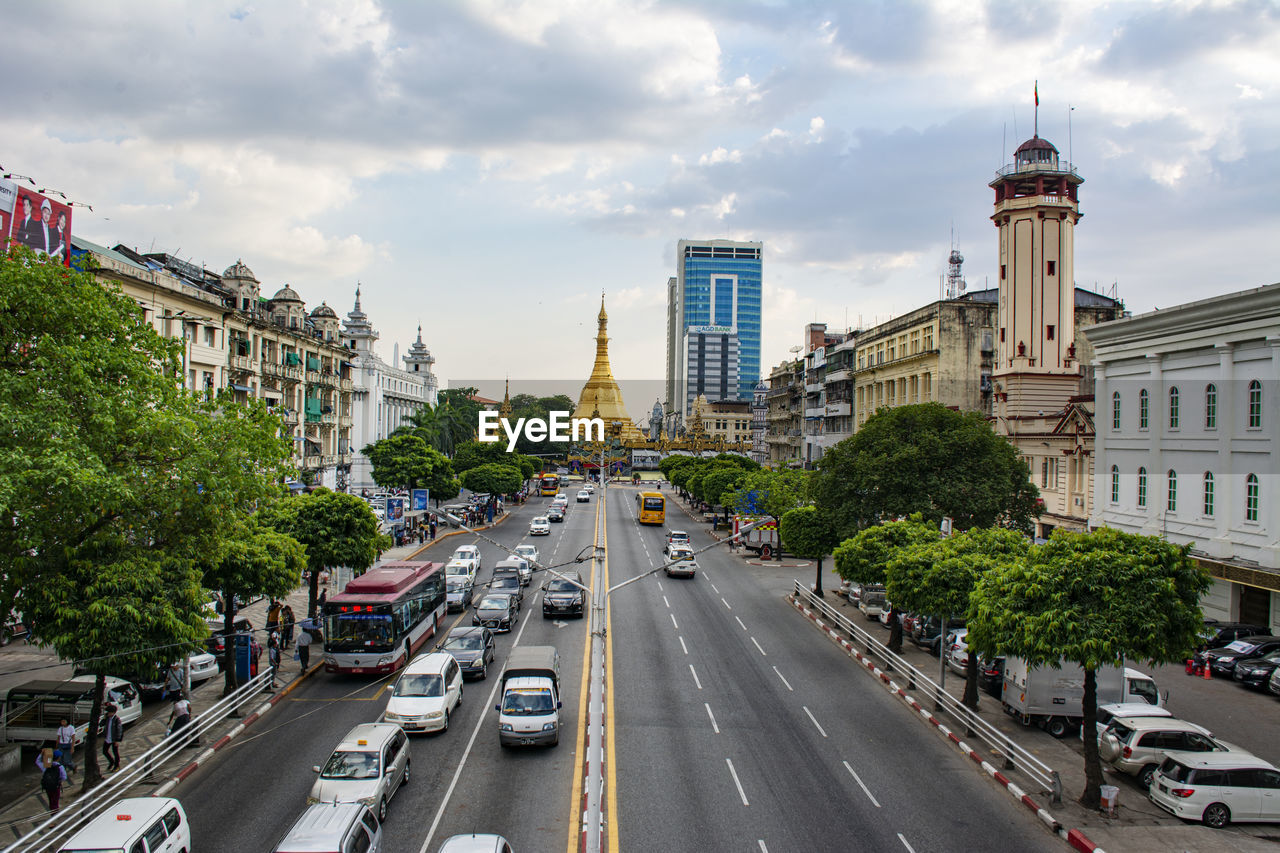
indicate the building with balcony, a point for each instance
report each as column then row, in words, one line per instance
column 729, row 420
column 784, row 418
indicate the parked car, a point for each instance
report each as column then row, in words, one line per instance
column 216, row 642
column 927, row 631
column 1138, row 745
column 473, row 648
column 496, row 612
column 458, row 593
column 853, row 593
column 1218, row 788
column 1108, row 712
column 1223, row 661
column 1256, row 672
column 909, row 621
column 1218, row 634
column 958, row 651
column 560, row 596
column 427, row 691
column 872, row 602
column 540, row 526
column 1273, row 683
column 991, row 675
column 368, row 766
column 529, row 552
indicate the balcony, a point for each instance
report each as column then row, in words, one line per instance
column 844, row 374
column 815, row 411
column 290, row 417
column 312, row 462
column 313, row 377
column 242, row 363
column 345, row 384
column 329, row 380
column 291, row 372
column 344, row 421
column 813, row 387
column 272, row 368
column 328, row 418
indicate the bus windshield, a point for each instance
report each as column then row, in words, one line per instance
column 359, row 632
column 653, row 503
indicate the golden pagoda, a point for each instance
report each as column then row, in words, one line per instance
column 600, row 397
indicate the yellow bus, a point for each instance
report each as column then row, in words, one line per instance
column 550, row 485
column 653, row 507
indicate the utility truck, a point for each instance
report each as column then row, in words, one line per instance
column 1054, row 698
column 529, row 713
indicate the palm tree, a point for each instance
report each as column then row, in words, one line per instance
column 442, row 428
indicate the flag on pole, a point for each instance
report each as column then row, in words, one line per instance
column 1037, row 93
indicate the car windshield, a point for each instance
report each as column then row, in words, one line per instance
column 419, row 684
column 530, row 703
column 1239, row 646
column 469, row 643
column 526, row 551
column 494, row 604
column 458, row 583
column 457, row 569
column 351, row 765
column 542, row 519
column 561, row 586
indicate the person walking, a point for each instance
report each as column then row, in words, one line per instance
column 273, row 656
column 304, row 648
column 52, row 775
column 180, row 715
column 67, row 744
column 433, row 528
column 255, row 654
column 286, row 625
column 273, row 616
column 173, row 682
column 112, row 735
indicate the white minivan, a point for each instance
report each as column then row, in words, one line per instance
column 429, row 689
column 1218, row 788
column 135, row 825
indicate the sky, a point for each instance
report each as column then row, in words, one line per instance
column 487, row 168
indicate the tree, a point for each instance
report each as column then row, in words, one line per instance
column 1093, row 599
column 720, row 481
column 405, row 461
column 255, row 560
column 937, row 577
column 808, row 534
column 529, row 406
column 473, row 454
column 492, row 479
column 928, row 459
column 862, row 559
column 336, row 529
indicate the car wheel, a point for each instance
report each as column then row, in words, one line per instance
column 1057, row 727
column 382, row 810
column 459, row 705
column 1216, row 815
column 484, row 671
column 404, row 780
column 445, row 727
column 1147, row 775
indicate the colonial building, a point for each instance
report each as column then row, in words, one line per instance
column 385, row 396
column 1188, row 437
column 759, row 413
column 729, row 420
column 785, row 416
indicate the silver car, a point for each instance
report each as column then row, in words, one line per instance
column 368, row 766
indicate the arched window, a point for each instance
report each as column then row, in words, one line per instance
column 1144, row 404
column 1142, row 487
column 1251, row 498
column 1211, row 407
column 1208, row 494
column 1115, row 484
column 1173, row 408
column 1172, row 504
column 1255, row 404
column 1115, row 410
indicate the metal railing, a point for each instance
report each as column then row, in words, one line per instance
column 75, row 814
column 1014, row 755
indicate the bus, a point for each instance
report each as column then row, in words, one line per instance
column 652, row 506
column 383, row 617
column 549, row 486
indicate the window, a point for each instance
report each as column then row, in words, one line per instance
column 1142, row 487
column 1251, row 498
column 172, row 821
column 1255, row 404
column 1048, row 332
column 1173, row 408
column 1172, row 504
column 1210, row 407
column 928, row 338
column 926, row 386
column 1003, row 271
column 1002, row 334
column 1115, row 411
column 1052, row 268
column 1115, row 484
column 1208, row 494
column 1144, row 405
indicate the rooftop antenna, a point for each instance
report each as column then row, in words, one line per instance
column 1070, row 154
column 1037, row 124
column 955, row 278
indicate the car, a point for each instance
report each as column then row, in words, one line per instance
column 958, row 651
column 540, row 526
column 991, row 675
column 1108, row 712
column 927, row 631
column 583, row 496
column 529, row 552
column 675, row 537
column 853, row 592
column 590, row 488
column 1138, row 745
column 555, row 514
column 468, row 552
column 886, row 613
column 474, row 843
column 460, row 569
column 473, row 648
column 368, row 766
column 156, row 824
column 1217, row 788
column 872, row 602
column 333, row 826
column 215, row 643
column 496, row 612
column 427, row 691
column 563, row 596
column 1222, row 661
column 520, row 564
column 1255, row 672
column 560, row 500
column 681, row 563
column 509, row 583
column 458, row 592
column 1218, row 634
column 1273, row 683
column 909, row 621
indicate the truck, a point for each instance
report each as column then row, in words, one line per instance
column 762, row 539
column 1053, row 698
column 529, row 713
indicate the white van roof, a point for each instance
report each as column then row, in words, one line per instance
column 120, row 823
column 320, row 827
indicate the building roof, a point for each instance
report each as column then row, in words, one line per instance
column 1036, row 143
column 286, row 294
column 323, row 310
column 239, row 270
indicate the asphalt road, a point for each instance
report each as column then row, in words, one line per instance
column 736, row 729
column 462, row 781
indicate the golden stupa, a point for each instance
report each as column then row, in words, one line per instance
column 600, row 397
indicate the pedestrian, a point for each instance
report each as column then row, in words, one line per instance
column 255, row 653
column 433, row 528
column 273, row 656
column 172, row 683
column 67, row 743
column 304, row 648
column 273, row 616
column 52, row 775
column 286, row 625
column 180, row 715
column 112, row 735
column 324, row 596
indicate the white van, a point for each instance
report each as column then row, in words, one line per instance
column 135, row 825
column 333, row 828
column 529, row 712
column 428, row 690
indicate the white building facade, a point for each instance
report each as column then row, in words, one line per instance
column 384, row 396
column 1187, row 435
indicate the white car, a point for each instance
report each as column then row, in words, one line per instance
column 529, row 552
column 521, row 565
column 121, row 693
column 583, row 496
column 429, row 689
column 682, row 563
column 202, row 667
column 540, row 526
column 958, row 651
column 590, row 488
column 468, row 552
column 1107, row 713
column 560, row 500
column 1217, row 788
column 464, row 568
column 368, row 766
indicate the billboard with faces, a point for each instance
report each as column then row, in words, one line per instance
column 35, row 220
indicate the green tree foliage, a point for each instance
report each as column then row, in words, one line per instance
column 806, row 533
column 862, row 559
column 722, row 480
column 492, row 479
column 1093, row 599
column 769, row 492
column 937, row 577
column 404, row 461
column 255, row 560
column 928, row 459
column 473, row 454
column 335, row 528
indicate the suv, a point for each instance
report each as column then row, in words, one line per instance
column 368, row 766
column 333, row 826
column 872, row 602
column 540, row 526
column 559, row 596
column 675, row 538
column 1223, row 661
column 1138, row 745
column 508, row 581
column 1218, row 634
column 681, row 562
column 428, row 689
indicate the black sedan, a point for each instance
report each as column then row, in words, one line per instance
column 555, row 514
column 496, row 612
column 1255, row 672
column 473, row 648
column 1218, row 634
column 1223, row 661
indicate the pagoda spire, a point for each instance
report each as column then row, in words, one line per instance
column 601, row 394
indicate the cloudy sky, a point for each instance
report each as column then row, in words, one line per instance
column 486, row 168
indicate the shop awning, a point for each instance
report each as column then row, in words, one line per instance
column 245, row 388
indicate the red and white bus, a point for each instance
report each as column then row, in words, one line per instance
column 383, row 617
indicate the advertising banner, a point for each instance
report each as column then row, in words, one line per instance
column 419, row 498
column 36, row 221
column 395, row 511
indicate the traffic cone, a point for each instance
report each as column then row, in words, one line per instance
column 1207, row 669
